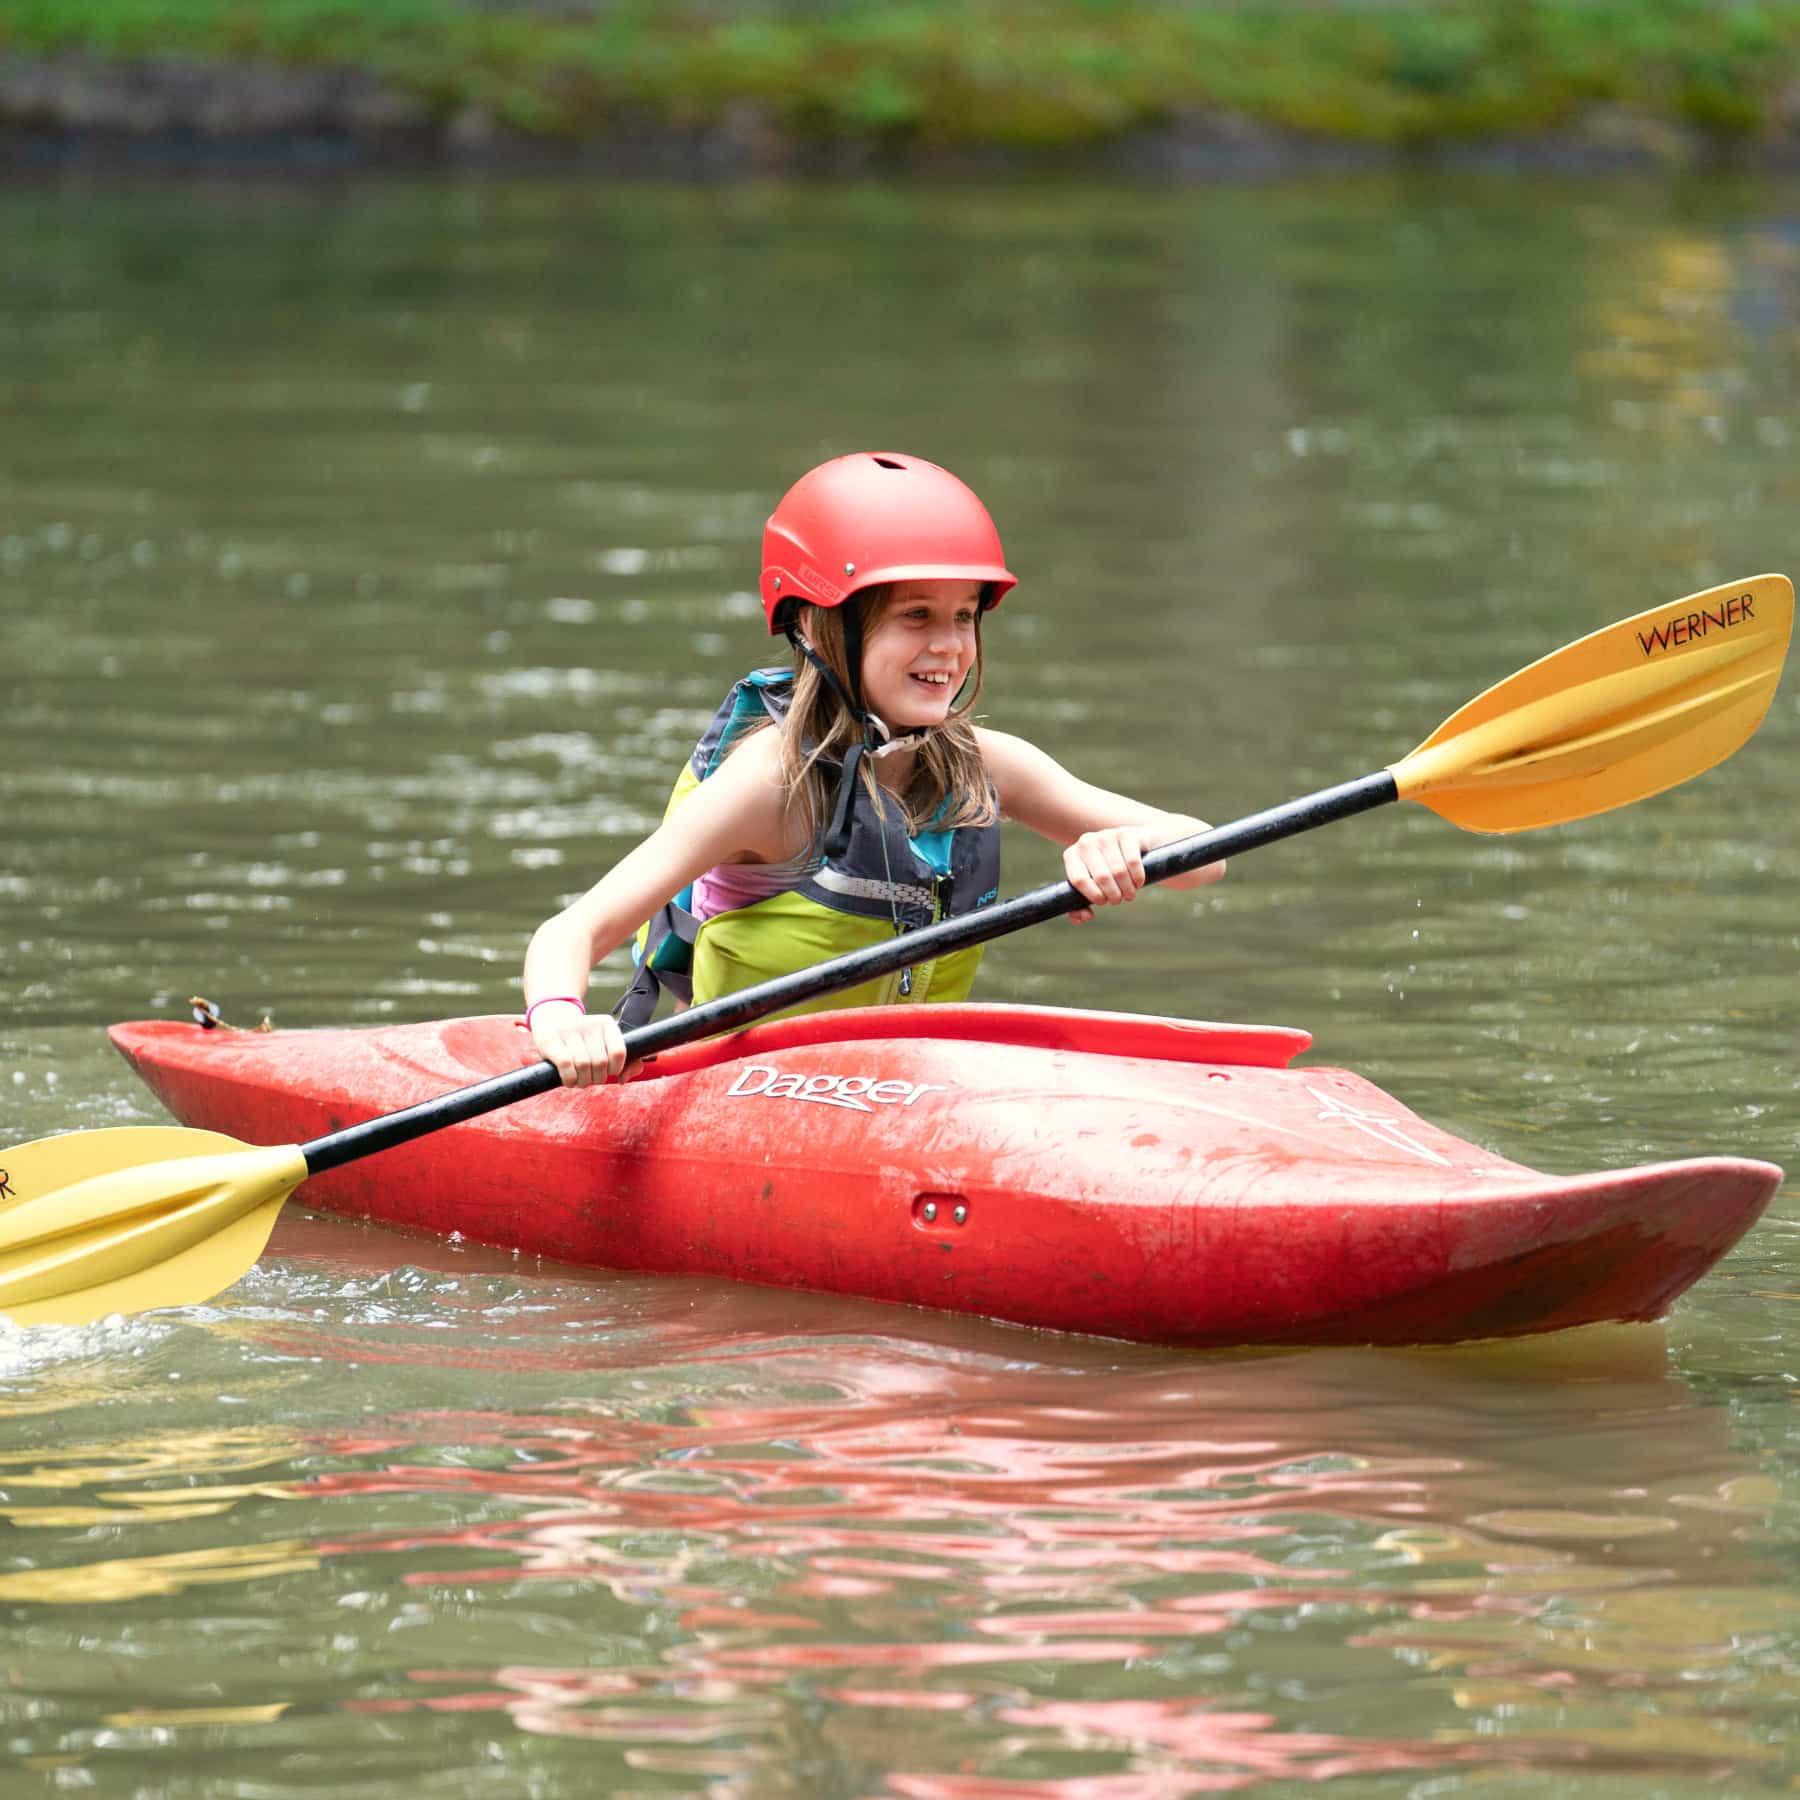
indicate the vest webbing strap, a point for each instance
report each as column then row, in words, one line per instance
column 907, row 893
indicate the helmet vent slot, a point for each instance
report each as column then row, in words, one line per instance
column 887, row 462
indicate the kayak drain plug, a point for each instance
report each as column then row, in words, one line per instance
column 940, row 1210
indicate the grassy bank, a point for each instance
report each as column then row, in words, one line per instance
column 1054, row 73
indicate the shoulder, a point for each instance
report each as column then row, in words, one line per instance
column 755, row 759
column 751, row 789
column 1000, row 749
column 1014, row 764
column 740, row 812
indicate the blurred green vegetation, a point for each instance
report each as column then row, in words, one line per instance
column 1053, row 72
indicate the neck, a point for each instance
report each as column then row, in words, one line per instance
column 896, row 756
column 895, row 770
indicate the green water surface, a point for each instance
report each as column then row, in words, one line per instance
column 369, row 557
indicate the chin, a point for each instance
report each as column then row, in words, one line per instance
column 914, row 712
column 918, row 718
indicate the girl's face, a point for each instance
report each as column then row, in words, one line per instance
column 920, row 650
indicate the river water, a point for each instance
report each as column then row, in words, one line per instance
column 369, row 556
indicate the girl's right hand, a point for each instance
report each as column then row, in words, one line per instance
column 587, row 1048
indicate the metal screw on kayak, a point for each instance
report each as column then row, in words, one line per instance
column 961, row 1213
column 930, row 1211
column 849, row 568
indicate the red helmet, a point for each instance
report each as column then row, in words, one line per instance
column 871, row 517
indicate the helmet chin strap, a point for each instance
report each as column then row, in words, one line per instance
column 828, row 675
column 911, row 741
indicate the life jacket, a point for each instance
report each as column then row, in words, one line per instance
column 888, row 879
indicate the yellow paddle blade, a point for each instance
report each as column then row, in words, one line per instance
column 1642, row 706
column 99, row 1222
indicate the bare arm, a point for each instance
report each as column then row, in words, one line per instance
column 1103, row 835
column 738, row 814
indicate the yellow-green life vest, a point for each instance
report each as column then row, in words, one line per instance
column 890, row 879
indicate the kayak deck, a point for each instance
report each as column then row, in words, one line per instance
column 1162, row 1180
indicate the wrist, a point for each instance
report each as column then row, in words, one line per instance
column 573, row 1000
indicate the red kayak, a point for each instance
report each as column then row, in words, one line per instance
column 1134, row 1177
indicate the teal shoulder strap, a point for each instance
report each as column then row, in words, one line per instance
column 762, row 694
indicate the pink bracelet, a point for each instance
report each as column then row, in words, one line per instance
column 573, row 1000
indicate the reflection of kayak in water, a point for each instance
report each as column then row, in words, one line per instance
column 1506, row 1467
column 940, row 1505
column 1133, row 1177
column 743, row 1492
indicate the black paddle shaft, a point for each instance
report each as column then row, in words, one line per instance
column 750, row 1004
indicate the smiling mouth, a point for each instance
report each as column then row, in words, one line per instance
column 937, row 681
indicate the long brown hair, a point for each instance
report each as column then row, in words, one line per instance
column 948, row 772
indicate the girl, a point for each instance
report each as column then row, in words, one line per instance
column 850, row 798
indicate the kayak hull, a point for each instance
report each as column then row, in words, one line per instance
column 1157, row 1180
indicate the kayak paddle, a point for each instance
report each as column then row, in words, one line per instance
column 98, row 1222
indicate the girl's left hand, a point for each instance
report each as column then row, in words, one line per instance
column 1106, row 867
